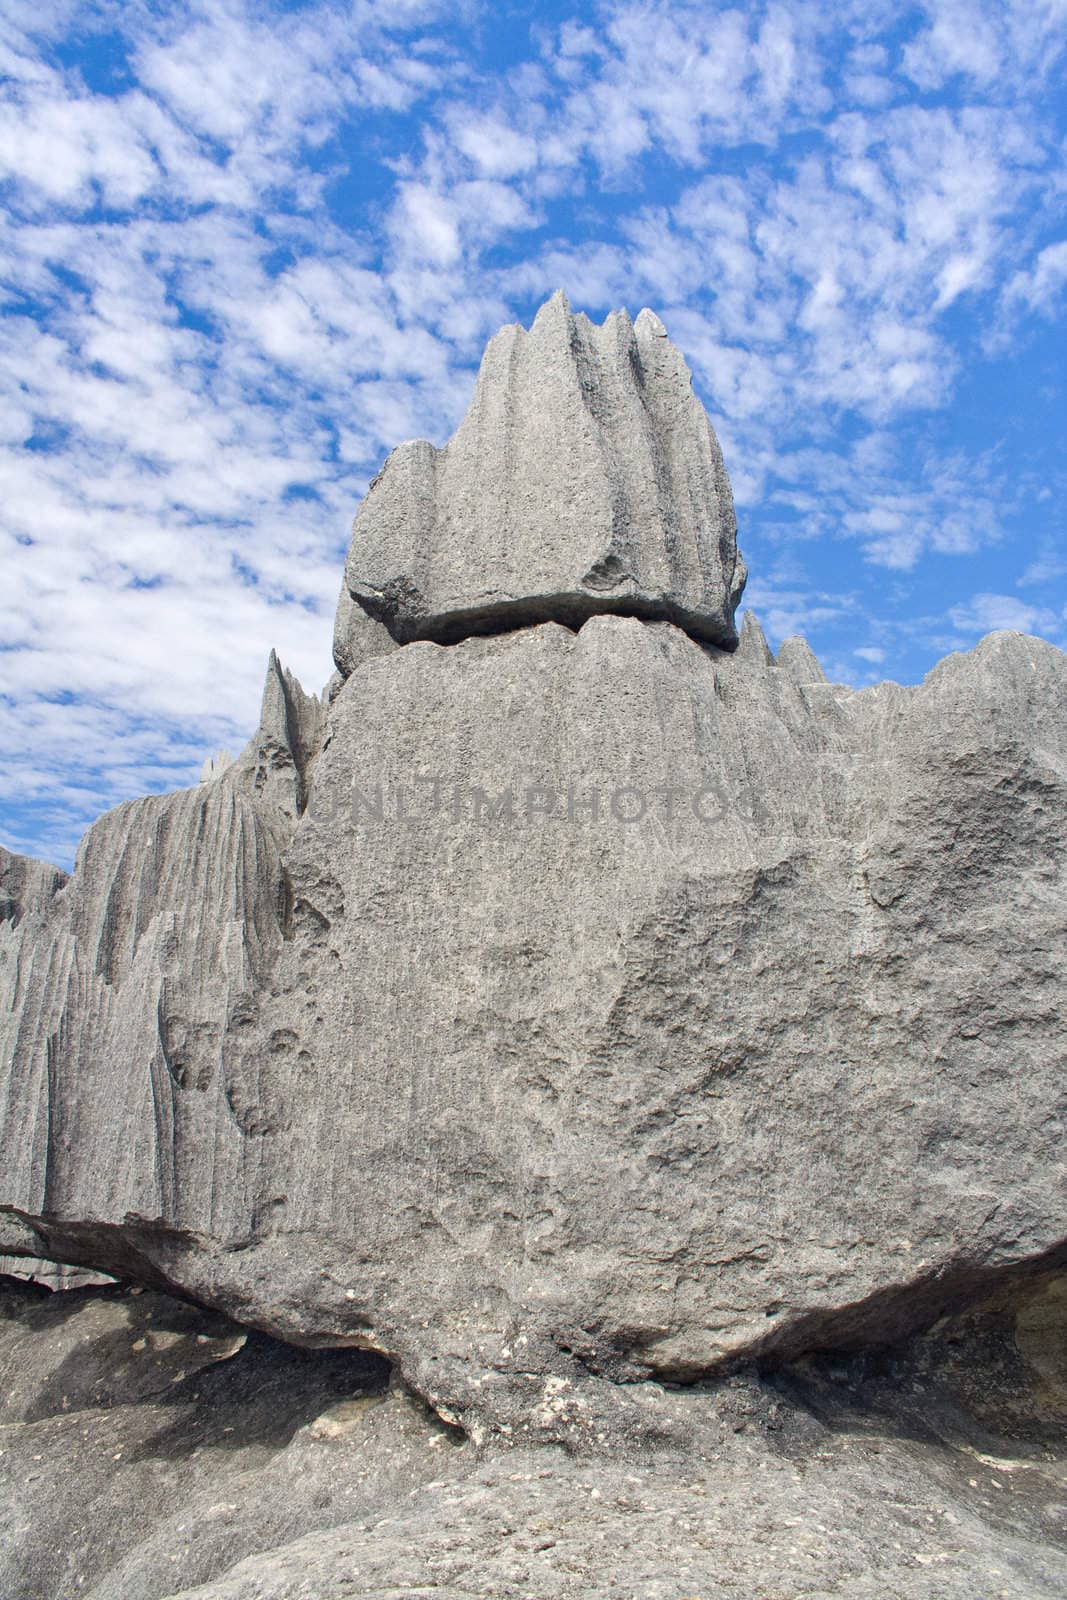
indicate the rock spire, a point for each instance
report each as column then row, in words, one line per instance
column 585, row 478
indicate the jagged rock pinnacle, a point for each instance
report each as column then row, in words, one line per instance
column 585, row 478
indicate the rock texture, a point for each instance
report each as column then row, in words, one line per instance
column 147, row 1445
column 584, row 478
column 480, row 1066
column 150, row 1449
column 568, row 1004
column 25, row 884
column 119, row 988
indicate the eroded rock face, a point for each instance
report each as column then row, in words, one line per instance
column 119, row 987
column 565, row 1004
column 614, row 1004
column 584, row 478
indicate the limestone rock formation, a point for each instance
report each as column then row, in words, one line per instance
column 585, row 478
column 275, row 766
column 576, row 1003
column 119, row 988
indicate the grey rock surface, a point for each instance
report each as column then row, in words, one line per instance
column 514, row 1094
column 154, row 946
column 147, row 1444
column 796, row 657
column 25, row 884
column 563, row 1004
column 275, row 766
column 584, row 478
column 357, row 636
column 150, row 1449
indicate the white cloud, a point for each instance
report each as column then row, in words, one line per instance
column 1050, row 564
column 785, row 608
column 64, row 148
column 1040, row 285
column 830, row 279
column 1002, row 47
column 985, row 613
column 496, row 150
column 425, row 223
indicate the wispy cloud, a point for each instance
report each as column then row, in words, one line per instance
column 1040, row 287
column 986, row 612
column 1049, row 565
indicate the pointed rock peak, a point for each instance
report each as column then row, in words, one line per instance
column 214, row 766
column 649, row 324
column 585, row 452
column 273, row 713
column 275, row 764
column 556, row 311
column 288, row 716
column 798, row 659
column 753, row 644
column 290, row 713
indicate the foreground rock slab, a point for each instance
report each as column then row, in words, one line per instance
column 146, row 1443
column 150, row 1450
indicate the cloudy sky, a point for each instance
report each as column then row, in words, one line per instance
column 250, row 248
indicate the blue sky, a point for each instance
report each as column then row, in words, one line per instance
column 249, row 249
